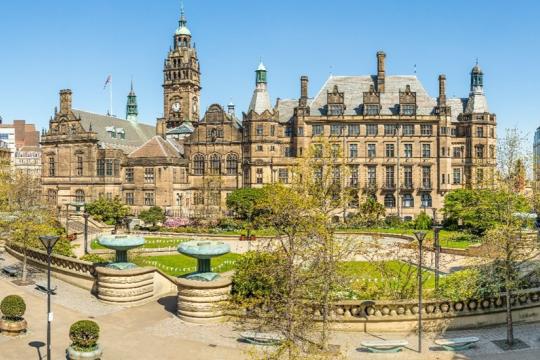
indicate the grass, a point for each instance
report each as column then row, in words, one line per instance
column 363, row 270
column 176, row 265
column 447, row 238
column 152, row 242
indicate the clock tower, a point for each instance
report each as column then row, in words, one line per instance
column 181, row 81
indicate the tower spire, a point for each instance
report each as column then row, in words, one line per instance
column 132, row 110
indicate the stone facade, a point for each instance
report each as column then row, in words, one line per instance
column 403, row 147
column 536, row 149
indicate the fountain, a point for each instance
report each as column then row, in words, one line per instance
column 203, row 251
column 202, row 294
column 121, row 244
column 121, row 281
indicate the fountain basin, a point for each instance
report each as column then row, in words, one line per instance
column 121, row 244
column 203, row 251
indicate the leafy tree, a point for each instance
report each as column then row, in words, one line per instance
column 423, row 221
column 370, row 213
column 243, row 202
column 153, row 215
column 111, row 211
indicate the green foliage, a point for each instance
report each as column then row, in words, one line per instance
column 482, row 209
column 110, row 211
column 393, row 221
column 369, row 213
column 13, row 307
column 152, row 216
column 243, row 202
column 94, row 258
column 461, row 285
column 423, row 221
column 252, row 278
column 84, row 335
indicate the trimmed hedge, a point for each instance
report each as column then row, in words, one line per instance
column 13, row 307
column 84, row 334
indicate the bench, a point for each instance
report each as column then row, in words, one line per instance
column 456, row 344
column 43, row 287
column 384, row 346
column 10, row 271
column 262, row 338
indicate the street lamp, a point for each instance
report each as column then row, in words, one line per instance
column 85, row 216
column 420, row 235
column 48, row 242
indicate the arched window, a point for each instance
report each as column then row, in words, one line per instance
column 215, row 164
column 408, row 201
column 198, row 164
column 426, row 200
column 232, row 164
column 79, row 196
column 389, row 201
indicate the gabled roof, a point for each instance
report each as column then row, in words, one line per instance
column 136, row 134
column 185, row 128
column 155, row 147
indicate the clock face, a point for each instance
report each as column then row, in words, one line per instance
column 176, row 107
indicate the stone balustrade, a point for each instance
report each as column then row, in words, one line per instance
column 402, row 315
column 76, row 272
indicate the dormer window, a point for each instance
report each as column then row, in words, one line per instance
column 116, row 133
column 335, row 110
column 371, row 109
column 408, row 109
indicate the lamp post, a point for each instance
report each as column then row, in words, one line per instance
column 67, row 220
column 85, row 216
column 48, row 242
column 420, row 235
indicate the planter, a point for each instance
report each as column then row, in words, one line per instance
column 13, row 328
column 95, row 354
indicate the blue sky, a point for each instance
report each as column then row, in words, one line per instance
column 48, row 45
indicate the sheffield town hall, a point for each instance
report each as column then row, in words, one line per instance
column 401, row 145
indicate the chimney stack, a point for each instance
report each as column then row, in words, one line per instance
column 304, row 87
column 442, row 90
column 380, row 71
column 65, row 101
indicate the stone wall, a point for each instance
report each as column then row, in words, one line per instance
column 130, row 286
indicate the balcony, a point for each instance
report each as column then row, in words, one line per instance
column 425, row 186
column 388, row 186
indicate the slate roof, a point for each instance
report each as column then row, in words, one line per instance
column 260, row 101
column 136, row 134
column 354, row 88
column 185, row 128
column 155, row 147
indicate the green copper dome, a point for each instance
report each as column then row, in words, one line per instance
column 183, row 30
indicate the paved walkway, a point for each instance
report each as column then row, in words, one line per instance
column 152, row 331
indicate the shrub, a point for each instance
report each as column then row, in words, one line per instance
column 93, row 258
column 393, row 221
column 461, row 285
column 13, row 307
column 252, row 279
column 84, row 335
column 422, row 221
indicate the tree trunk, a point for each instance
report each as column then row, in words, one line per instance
column 509, row 323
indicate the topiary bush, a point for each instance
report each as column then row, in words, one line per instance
column 13, row 308
column 84, row 335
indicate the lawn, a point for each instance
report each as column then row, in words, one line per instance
column 448, row 239
column 176, row 265
column 364, row 270
column 151, row 243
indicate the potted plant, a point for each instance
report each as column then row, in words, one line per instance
column 12, row 322
column 84, row 335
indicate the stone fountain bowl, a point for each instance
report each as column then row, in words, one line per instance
column 121, row 242
column 201, row 249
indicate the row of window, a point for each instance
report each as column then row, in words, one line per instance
column 214, row 164
column 390, row 150
column 407, row 201
column 372, row 129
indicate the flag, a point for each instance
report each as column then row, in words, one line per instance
column 107, row 82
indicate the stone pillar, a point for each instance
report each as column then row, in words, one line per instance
column 129, row 287
column 203, row 301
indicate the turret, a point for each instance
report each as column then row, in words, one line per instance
column 260, row 101
column 132, row 110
